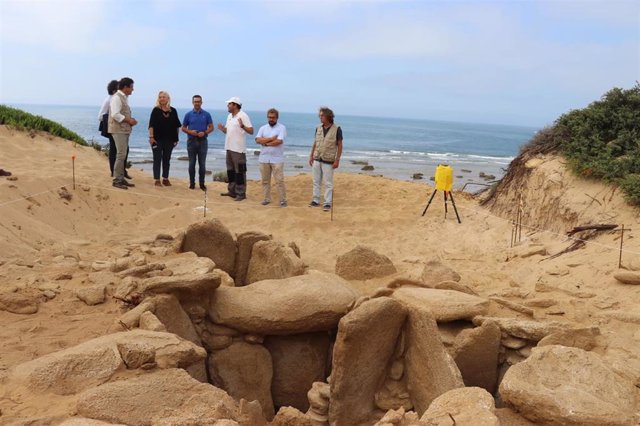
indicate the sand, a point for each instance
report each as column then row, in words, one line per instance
column 44, row 233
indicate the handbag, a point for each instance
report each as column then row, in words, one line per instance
column 103, row 127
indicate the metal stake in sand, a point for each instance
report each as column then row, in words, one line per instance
column 333, row 202
column 205, row 204
column 621, row 239
column 73, row 166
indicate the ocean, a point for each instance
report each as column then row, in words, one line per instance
column 396, row 148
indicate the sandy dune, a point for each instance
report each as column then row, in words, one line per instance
column 46, row 227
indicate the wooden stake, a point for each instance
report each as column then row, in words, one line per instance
column 621, row 239
column 73, row 166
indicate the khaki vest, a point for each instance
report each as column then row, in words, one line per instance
column 326, row 146
column 114, row 126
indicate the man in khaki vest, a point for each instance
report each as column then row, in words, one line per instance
column 325, row 157
column 120, row 124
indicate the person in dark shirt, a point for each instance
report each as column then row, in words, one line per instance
column 163, row 136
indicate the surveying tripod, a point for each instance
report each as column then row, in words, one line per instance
column 445, row 204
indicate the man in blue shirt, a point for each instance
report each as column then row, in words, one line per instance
column 197, row 124
column 271, row 136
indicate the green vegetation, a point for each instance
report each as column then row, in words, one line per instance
column 220, row 177
column 22, row 120
column 601, row 141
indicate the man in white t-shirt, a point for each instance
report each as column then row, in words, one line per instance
column 237, row 127
column 271, row 136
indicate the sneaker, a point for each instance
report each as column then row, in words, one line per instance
column 228, row 194
column 203, row 187
column 313, row 204
column 265, row 202
column 166, row 182
column 119, row 184
column 192, row 186
column 130, row 185
column 240, row 198
column 126, row 175
column 326, row 207
column 158, row 183
column 4, row 173
column 283, row 204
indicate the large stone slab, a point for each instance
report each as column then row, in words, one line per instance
column 210, row 238
column 189, row 263
column 94, row 362
column 301, row 304
column 181, row 285
column 170, row 313
column 363, row 263
column 464, row 406
column 429, row 368
column 167, row 397
column 366, row 340
column 272, row 260
column 298, row 361
column 435, row 272
column 475, row 352
column 583, row 338
column 524, row 329
column 246, row 240
column 444, row 305
column 245, row 371
column 558, row 385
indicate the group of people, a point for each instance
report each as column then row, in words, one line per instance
column 116, row 123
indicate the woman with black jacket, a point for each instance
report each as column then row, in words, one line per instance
column 163, row 136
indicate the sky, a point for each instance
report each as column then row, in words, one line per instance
column 509, row 62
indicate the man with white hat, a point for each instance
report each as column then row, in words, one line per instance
column 236, row 129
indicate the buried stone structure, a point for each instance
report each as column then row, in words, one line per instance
column 207, row 342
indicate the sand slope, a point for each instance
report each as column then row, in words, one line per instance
column 42, row 231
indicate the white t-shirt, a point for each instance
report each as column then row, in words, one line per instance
column 236, row 136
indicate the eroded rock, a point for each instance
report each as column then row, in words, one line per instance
column 300, row 304
column 365, row 342
column 464, row 406
column 444, row 305
column 273, row 260
column 363, row 263
column 246, row 240
column 210, row 238
column 165, row 397
column 558, row 385
column 245, row 371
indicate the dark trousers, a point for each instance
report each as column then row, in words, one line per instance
column 237, row 172
column 161, row 157
column 197, row 149
column 112, row 154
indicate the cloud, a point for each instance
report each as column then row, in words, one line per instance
column 62, row 25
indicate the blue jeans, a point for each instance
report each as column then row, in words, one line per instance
column 197, row 148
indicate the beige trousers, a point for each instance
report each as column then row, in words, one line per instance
column 266, row 170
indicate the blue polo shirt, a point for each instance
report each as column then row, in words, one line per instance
column 198, row 121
